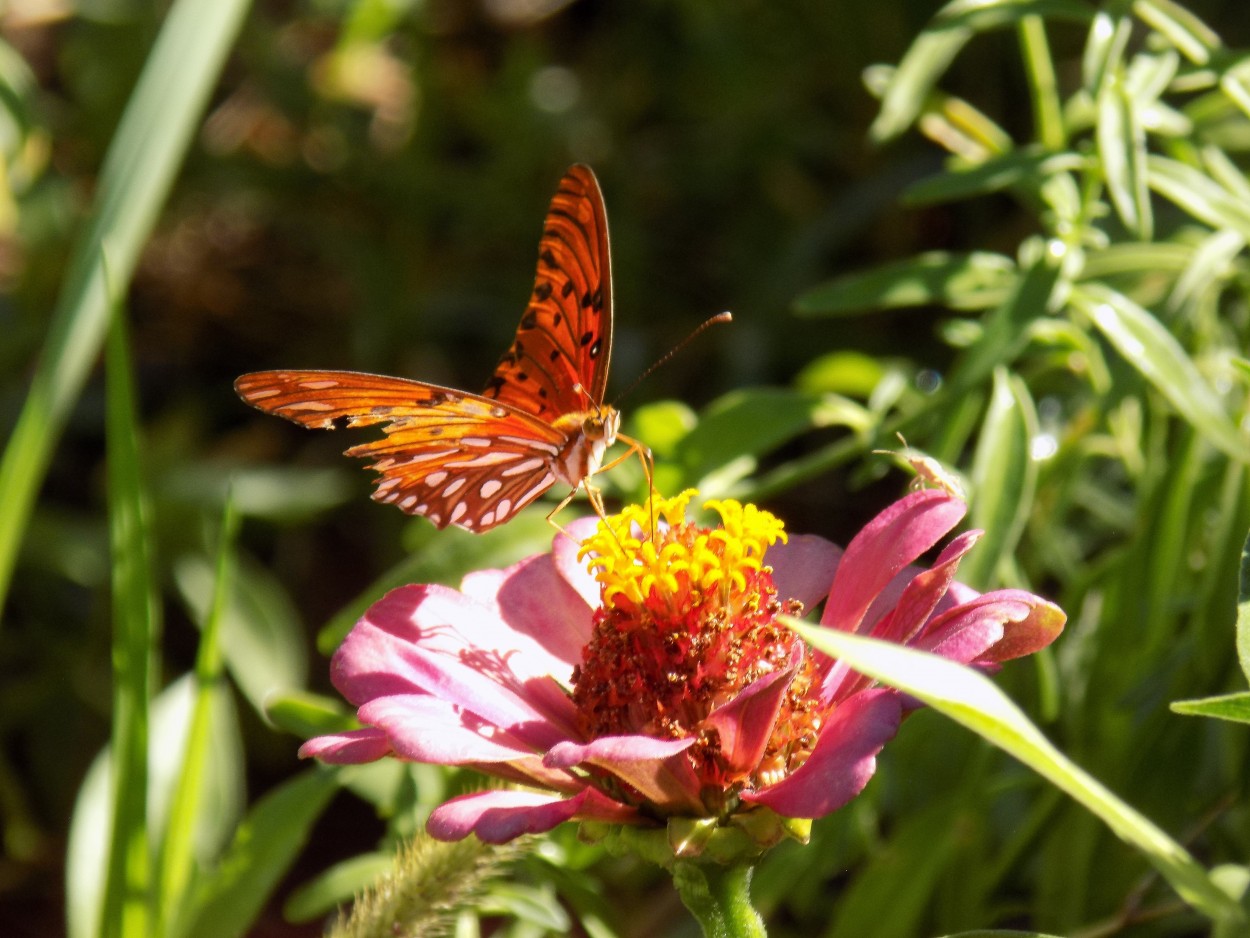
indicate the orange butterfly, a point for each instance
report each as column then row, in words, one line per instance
column 476, row 460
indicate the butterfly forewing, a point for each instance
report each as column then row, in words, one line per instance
column 558, row 362
column 453, row 457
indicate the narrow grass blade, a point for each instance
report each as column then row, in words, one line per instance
column 151, row 140
column 177, row 858
column 1243, row 612
column 971, row 699
column 126, row 911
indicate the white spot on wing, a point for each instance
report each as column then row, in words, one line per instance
column 541, row 486
column 408, row 502
column 319, row 384
column 436, row 478
column 478, row 442
column 528, row 443
column 316, row 406
column 488, row 519
column 458, row 512
column 456, row 486
column 503, row 509
column 528, row 466
column 486, row 459
column 490, row 487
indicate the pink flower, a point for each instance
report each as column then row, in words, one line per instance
column 660, row 688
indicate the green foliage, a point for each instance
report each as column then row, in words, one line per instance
column 1057, row 315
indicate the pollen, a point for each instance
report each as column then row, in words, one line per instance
column 687, row 622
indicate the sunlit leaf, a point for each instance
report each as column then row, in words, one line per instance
column 1122, row 155
column 971, row 699
column 1004, row 476
column 1152, row 350
column 1232, row 707
column 1198, row 194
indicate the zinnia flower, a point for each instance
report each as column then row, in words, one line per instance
column 641, row 678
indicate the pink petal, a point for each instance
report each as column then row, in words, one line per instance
column 746, row 722
column 430, row 639
column 656, row 768
column 892, row 540
column 350, row 748
column 922, row 594
column 533, row 599
column 1024, row 636
column 422, row 728
column 843, row 761
column 803, row 568
column 500, row 816
column 994, row 627
column 564, row 550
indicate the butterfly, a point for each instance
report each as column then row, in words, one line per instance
column 475, row 460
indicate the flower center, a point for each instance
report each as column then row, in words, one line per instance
column 686, row 623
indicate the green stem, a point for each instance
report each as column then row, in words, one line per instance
column 719, row 897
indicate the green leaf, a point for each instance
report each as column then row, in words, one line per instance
column 1232, row 707
column 976, row 280
column 1022, row 170
column 850, row 373
column 1243, row 611
column 892, row 892
column 972, row 700
column 742, row 425
column 1104, row 50
column 1210, row 268
column 661, row 425
column 936, row 47
column 1007, row 328
column 1122, row 155
column 1198, row 194
column 336, row 886
column 262, row 636
column 1192, row 38
column 305, row 714
column 1159, row 358
column 266, row 843
column 1004, row 478
column 159, row 122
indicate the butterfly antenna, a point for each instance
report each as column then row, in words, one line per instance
column 667, row 356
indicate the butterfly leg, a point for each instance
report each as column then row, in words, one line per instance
column 648, row 468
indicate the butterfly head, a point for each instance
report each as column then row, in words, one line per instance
column 589, row 433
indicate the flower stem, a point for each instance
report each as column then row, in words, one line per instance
column 719, row 897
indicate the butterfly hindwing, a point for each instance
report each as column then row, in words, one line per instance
column 558, row 361
column 452, row 457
